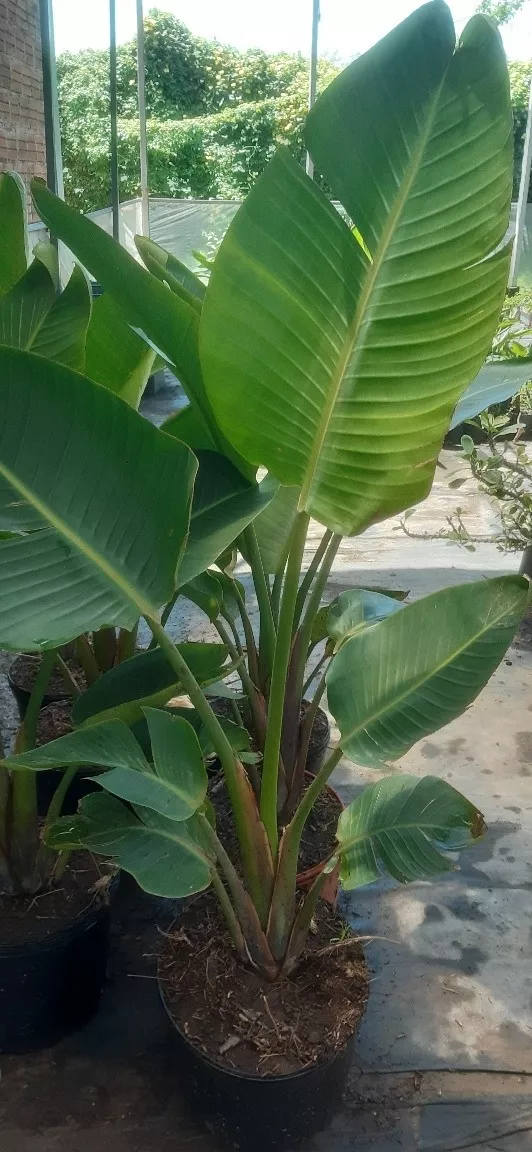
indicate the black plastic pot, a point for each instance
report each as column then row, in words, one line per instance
column 259, row 1113
column 22, row 695
column 51, row 987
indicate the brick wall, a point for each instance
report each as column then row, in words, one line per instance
column 22, row 145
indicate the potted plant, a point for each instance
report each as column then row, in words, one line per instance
column 333, row 358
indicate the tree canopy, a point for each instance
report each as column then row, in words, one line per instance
column 215, row 114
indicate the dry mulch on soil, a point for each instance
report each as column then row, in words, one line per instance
column 242, row 1022
column 33, row 918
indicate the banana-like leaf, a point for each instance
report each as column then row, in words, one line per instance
column 24, row 308
column 354, row 610
column 13, row 250
column 63, row 332
column 169, row 269
column 274, row 526
column 188, row 426
column 392, row 684
column 115, row 355
column 337, row 371
column 224, row 504
column 400, row 823
column 109, row 745
column 146, row 680
column 165, row 857
column 177, row 785
column 168, row 321
column 495, row 383
column 111, row 493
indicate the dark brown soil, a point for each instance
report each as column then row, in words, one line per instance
column 24, row 670
column 54, row 720
column 242, row 1022
column 319, row 834
column 320, row 728
column 33, row 918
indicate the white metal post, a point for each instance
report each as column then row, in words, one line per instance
column 313, row 75
column 523, row 196
column 141, row 85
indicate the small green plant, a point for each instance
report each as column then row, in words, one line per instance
column 335, row 365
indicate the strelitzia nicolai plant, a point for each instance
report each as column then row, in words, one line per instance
column 336, row 365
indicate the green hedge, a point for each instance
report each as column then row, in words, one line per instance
column 202, row 157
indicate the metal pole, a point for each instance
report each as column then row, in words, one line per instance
column 523, row 196
column 115, row 201
column 313, row 71
column 52, row 129
column 141, row 86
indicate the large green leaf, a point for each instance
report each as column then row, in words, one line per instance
column 62, row 334
column 224, row 504
column 24, row 308
column 187, row 425
column 13, row 253
column 111, row 493
column 392, row 684
column 109, row 745
column 400, row 822
column 169, row 322
column 495, row 383
column 116, row 356
column 165, row 857
column 177, row 786
column 338, row 371
column 169, row 269
column 356, row 609
column 146, row 679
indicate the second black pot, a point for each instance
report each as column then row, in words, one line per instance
column 259, row 1113
column 51, row 987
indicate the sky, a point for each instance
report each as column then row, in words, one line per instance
column 347, row 27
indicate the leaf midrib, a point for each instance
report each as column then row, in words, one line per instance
column 166, row 785
column 360, row 312
column 117, row 580
column 422, row 679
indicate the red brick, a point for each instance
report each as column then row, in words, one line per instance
column 21, row 100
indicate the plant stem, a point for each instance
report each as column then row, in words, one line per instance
column 29, row 726
column 68, row 678
column 310, row 574
column 313, row 791
column 24, row 830
column 312, row 675
column 253, row 659
column 281, row 660
column 87, row 660
column 256, row 945
column 313, row 606
column 305, row 734
column 126, row 644
column 278, row 580
column 267, row 626
column 235, row 777
column 104, row 648
column 256, row 703
column 57, row 862
column 230, row 915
